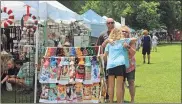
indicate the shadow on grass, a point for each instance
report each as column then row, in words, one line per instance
column 136, row 86
column 138, row 65
column 168, row 44
column 151, row 63
column 124, row 101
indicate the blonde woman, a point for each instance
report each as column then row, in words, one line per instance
column 130, row 72
column 12, row 72
column 117, row 62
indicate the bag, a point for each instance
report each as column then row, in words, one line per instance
column 8, row 86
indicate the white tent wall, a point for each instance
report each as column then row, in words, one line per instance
column 95, row 21
column 97, row 29
column 82, row 41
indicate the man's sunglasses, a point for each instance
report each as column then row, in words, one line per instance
column 110, row 22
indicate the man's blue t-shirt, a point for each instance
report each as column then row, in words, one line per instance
column 117, row 54
column 146, row 40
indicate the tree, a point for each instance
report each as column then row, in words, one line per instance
column 170, row 15
column 138, row 14
column 73, row 5
column 94, row 5
column 147, row 15
column 108, row 8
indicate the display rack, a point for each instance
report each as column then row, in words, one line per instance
column 71, row 74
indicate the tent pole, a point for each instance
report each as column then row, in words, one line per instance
column 36, row 57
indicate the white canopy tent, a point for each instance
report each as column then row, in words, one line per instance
column 95, row 22
column 53, row 10
column 42, row 9
column 18, row 8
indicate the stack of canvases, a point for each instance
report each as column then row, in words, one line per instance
column 71, row 74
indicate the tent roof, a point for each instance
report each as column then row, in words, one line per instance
column 18, row 9
column 93, row 17
column 53, row 10
column 44, row 9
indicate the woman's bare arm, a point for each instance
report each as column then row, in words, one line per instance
column 105, row 56
column 5, row 79
column 133, row 40
column 107, row 41
column 132, row 50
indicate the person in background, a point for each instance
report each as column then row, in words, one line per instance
column 25, row 76
column 55, row 39
column 12, row 71
column 171, row 38
column 18, row 63
column 130, row 72
column 138, row 42
column 67, row 42
column 103, row 37
column 154, row 43
column 146, row 46
column 50, row 41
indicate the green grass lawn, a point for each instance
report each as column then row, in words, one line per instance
column 160, row 81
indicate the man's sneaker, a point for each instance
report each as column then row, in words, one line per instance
column 107, row 98
column 107, row 101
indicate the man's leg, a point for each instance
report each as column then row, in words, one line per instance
column 106, row 76
column 148, row 58
column 131, row 82
column 143, row 52
column 156, row 48
column 143, row 58
column 148, row 55
column 132, row 90
column 107, row 84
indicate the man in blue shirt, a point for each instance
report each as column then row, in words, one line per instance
column 146, row 45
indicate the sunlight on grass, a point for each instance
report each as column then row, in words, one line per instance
column 160, row 81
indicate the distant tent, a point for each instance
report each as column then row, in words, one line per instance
column 95, row 22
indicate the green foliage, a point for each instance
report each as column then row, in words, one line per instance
column 135, row 12
column 147, row 14
column 90, row 5
column 170, row 14
column 139, row 14
column 74, row 5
